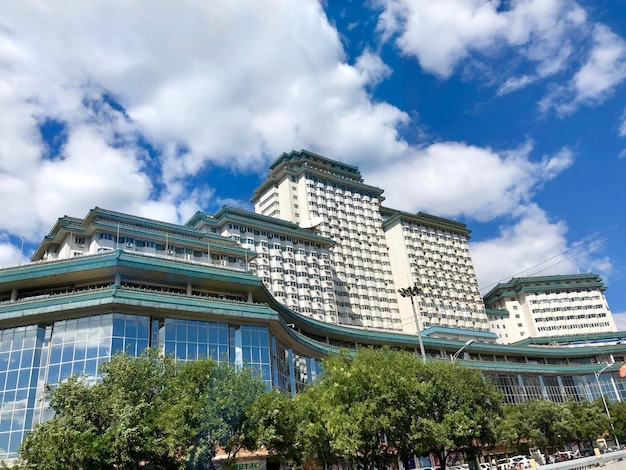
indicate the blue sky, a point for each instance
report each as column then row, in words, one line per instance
column 508, row 116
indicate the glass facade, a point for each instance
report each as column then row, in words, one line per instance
column 34, row 355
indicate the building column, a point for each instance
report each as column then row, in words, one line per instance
column 189, row 288
column 13, row 295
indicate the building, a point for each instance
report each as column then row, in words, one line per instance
column 330, row 198
column 433, row 253
column 549, row 306
column 293, row 263
column 112, row 282
column 377, row 250
column 278, row 295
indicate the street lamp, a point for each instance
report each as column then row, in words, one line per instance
column 411, row 292
column 454, row 356
column 606, row 407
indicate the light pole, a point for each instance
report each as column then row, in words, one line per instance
column 606, row 407
column 454, row 356
column 411, row 292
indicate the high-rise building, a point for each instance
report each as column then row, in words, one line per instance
column 331, row 198
column 113, row 282
column 433, row 253
column 377, row 250
column 293, row 263
column 549, row 306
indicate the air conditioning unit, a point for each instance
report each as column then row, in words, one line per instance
column 187, row 256
column 81, row 245
column 170, row 252
column 129, row 244
column 223, row 262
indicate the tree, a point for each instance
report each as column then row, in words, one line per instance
column 362, row 409
column 222, row 423
column 463, row 408
column 378, row 405
column 146, row 412
column 540, row 424
column 272, row 423
column 618, row 414
column 590, row 421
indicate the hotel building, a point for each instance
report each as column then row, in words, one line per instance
column 549, row 306
column 377, row 250
column 270, row 293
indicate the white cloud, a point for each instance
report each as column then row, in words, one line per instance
column 514, row 83
column 478, row 183
column 605, row 67
column 553, row 37
column 540, row 30
column 620, row 320
column 9, row 253
column 226, row 83
column 536, row 246
column 520, row 251
column 603, row 70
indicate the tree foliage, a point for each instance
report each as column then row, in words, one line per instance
column 618, row 415
column 223, row 421
column 377, row 406
column 272, row 422
column 589, row 422
column 539, row 423
column 146, row 412
column 462, row 409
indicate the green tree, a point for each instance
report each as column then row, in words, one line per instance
column 362, row 410
column 463, row 408
column 618, row 414
column 380, row 405
column 222, row 424
column 146, row 412
column 272, row 422
column 590, row 421
column 541, row 424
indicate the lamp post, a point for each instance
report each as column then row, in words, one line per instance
column 411, row 292
column 454, row 356
column 606, row 407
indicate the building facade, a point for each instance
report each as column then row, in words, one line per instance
column 549, row 306
column 330, row 198
column 115, row 282
column 279, row 294
column 432, row 253
column 293, row 263
column 377, row 250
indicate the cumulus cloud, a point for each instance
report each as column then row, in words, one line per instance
column 223, row 84
column 605, row 67
column 534, row 245
column 479, row 183
column 537, row 37
column 9, row 253
column 603, row 70
column 538, row 29
column 519, row 251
